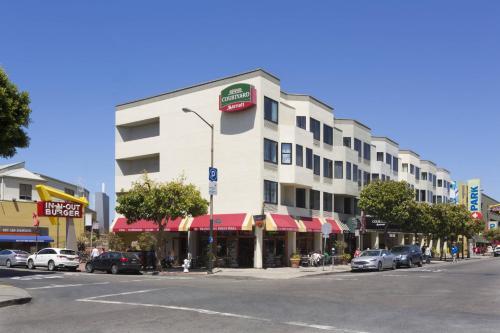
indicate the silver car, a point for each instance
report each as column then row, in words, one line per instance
column 374, row 259
column 11, row 258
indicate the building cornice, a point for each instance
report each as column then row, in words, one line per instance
column 386, row 139
column 352, row 122
column 306, row 98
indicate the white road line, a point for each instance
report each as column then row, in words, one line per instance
column 322, row 327
column 37, row 277
column 119, row 294
column 67, row 285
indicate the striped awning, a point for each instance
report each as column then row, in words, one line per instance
column 121, row 225
column 281, row 222
column 309, row 224
column 222, row 222
column 336, row 228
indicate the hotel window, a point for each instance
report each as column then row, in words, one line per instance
column 25, row 191
column 270, row 192
column 387, row 178
column 433, row 180
column 430, row 177
column 327, row 134
column 270, row 151
column 301, row 122
column 366, row 178
column 314, row 199
column 417, row 173
column 424, row 175
column 327, row 168
column 439, row 199
column 315, row 128
column 346, row 141
column 422, row 195
column 405, row 167
column 270, row 110
column 354, row 173
column 366, row 151
column 388, row 159
column 316, row 165
column 299, row 155
column 327, row 202
column 339, row 170
column 395, row 164
column 440, row 183
column 348, row 170
column 300, row 197
column 383, row 177
column 286, row 153
column 380, row 156
column 357, row 146
column 309, row 158
column 417, row 194
column 412, row 169
column 360, row 177
column 376, row 175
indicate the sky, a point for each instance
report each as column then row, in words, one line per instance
column 424, row 73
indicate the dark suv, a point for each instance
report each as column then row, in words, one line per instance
column 408, row 255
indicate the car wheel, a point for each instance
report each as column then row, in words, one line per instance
column 51, row 266
column 393, row 267
column 410, row 263
column 114, row 269
column 89, row 268
column 31, row 264
column 8, row 264
column 379, row 267
column 420, row 263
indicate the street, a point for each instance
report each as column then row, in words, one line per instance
column 463, row 297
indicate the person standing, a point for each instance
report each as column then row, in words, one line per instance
column 428, row 255
column 95, row 253
column 454, row 252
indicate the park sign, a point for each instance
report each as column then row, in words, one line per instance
column 59, row 209
column 474, row 202
column 237, row 97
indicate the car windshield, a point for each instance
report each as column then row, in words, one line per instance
column 70, row 252
column 20, row 252
column 370, row 253
column 399, row 249
column 130, row 255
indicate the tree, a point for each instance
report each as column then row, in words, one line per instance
column 493, row 235
column 442, row 230
column 420, row 220
column 160, row 203
column 146, row 241
column 388, row 201
column 14, row 117
column 115, row 242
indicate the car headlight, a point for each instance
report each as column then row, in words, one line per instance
column 404, row 256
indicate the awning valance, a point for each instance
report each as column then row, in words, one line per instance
column 281, row 222
column 309, row 224
column 336, row 227
column 227, row 222
column 121, row 225
column 25, row 239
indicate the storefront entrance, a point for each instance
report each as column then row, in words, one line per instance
column 274, row 249
column 245, row 252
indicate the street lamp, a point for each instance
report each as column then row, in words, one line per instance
column 211, row 233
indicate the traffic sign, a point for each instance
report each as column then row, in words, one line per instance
column 212, row 188
column 326, row 230
column 212, row 174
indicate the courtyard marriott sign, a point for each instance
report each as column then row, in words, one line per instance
column 237, row 97
column 59, row 209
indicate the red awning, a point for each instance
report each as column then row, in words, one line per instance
column 312, row 224
column 284, row 222
column 121, row 225
column 335, row 226
column 221, row 222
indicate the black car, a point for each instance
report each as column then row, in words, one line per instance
column 114, row 262
column 408, row 255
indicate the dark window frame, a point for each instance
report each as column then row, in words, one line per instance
column 328, row 134
column 315, row 128
column 275, row 144
column 266, row 112
column 309, row 159
column 327, row 168
column 299, row 156
column 301, row 122
column 291, row 153
column 317, row 165
column 336, row 174
column 267, row 184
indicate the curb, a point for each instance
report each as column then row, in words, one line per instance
column 20, row 296
column 15, row 301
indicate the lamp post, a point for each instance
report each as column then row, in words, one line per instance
column 211, row 232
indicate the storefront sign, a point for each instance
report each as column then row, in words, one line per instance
column 474, row 195
column 237, row 97
column 59, row 209
column 17, row 230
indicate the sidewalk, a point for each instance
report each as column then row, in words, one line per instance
column 279, row 273
column 11, row 295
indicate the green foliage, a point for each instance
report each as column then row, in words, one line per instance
column 14, row 117
column 492, row 235
column 388, row 201
column 295, row 256
column 160, row 202
column 146, row 241
column 115, row 242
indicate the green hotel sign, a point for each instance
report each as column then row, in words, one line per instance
column 237, row 97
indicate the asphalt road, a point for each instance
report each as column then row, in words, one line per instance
column 464, row 297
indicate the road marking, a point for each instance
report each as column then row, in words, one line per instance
column 322, row 327
column 67, row 285
column 37, row 277
column 95, row 299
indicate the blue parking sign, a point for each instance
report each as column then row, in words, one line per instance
column 212, row 174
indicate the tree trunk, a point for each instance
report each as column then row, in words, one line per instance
column 160, row 247
column 386, row 235
column 441, row 250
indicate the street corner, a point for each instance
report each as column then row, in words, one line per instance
column 10, row 295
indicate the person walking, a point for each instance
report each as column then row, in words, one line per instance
column 357, row 253
column 428, row 255
column 95, row 253
column 454, row 252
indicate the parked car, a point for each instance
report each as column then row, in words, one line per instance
column 54, row 258
column 11, row 258
column 114, row 262
column 373, row 259
column 408, row 255
column 496, row 251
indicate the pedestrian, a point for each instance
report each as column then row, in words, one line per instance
column 357, row 253
column 428, row 255
column 102, row 250
column 454, row 252
column 95, row 253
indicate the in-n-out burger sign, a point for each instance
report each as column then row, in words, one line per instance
column 60, row 209
column 237, row 97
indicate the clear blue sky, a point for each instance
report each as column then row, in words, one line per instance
column 424, row 73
